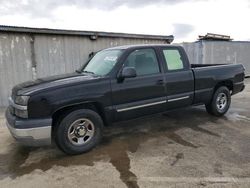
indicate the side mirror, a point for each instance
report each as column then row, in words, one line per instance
column 128, row 72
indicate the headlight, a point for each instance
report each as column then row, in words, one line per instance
column 22, row 100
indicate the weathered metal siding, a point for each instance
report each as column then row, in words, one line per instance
column 63, row 54
column 29, row 56
column 214, row 52
column 194, row 51
column 228, row 52
column 15, row 63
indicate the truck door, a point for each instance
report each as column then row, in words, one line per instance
column 179, row 77
column 143, row 94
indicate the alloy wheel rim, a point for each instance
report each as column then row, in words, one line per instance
column 81, row 131
column 221, row 101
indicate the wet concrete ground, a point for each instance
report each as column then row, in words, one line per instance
column 182, row 148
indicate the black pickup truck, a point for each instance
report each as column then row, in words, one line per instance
column 116, row 84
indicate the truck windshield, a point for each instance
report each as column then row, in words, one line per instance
column 103, row 62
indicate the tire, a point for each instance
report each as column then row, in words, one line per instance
column 220, row 102
column 79, row 131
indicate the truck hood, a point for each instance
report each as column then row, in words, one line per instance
column 30, row 87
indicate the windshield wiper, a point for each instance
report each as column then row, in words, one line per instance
column 78, row 71
column 88, row 72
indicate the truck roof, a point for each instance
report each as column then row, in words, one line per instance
column 141, row 45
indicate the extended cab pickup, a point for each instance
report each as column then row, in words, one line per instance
column 116, row 84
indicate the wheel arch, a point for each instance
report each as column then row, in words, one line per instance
column 226, row 83
column 59, row 113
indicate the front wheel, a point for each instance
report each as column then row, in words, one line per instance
column 79, row 131
column 220, row 103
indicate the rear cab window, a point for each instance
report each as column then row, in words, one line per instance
column 173, row 59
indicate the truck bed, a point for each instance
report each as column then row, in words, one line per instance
column 208, row 76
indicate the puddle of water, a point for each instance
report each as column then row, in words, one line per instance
column 118, row 141
column 178, row 139
column 120, row 160
column 177, row 158
column 237, row 117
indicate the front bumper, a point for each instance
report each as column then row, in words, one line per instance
column 29, row 132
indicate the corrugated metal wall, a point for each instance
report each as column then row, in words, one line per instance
column 62, row 54
column 15, row 63
column 228, row 52
column 214, row 52
column 29, row 56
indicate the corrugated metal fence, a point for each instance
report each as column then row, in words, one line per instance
column 217, row 52
column 29, row 56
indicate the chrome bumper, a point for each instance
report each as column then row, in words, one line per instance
column 29, row 132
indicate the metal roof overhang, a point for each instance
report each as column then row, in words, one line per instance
column 15, row 29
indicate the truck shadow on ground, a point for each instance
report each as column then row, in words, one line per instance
column 118, row 141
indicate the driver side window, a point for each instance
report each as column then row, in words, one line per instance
column 144, row 61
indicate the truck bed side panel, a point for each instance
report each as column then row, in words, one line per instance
column 207, row 78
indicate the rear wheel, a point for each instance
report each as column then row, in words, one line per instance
column 79, row 131
column 220, row 103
